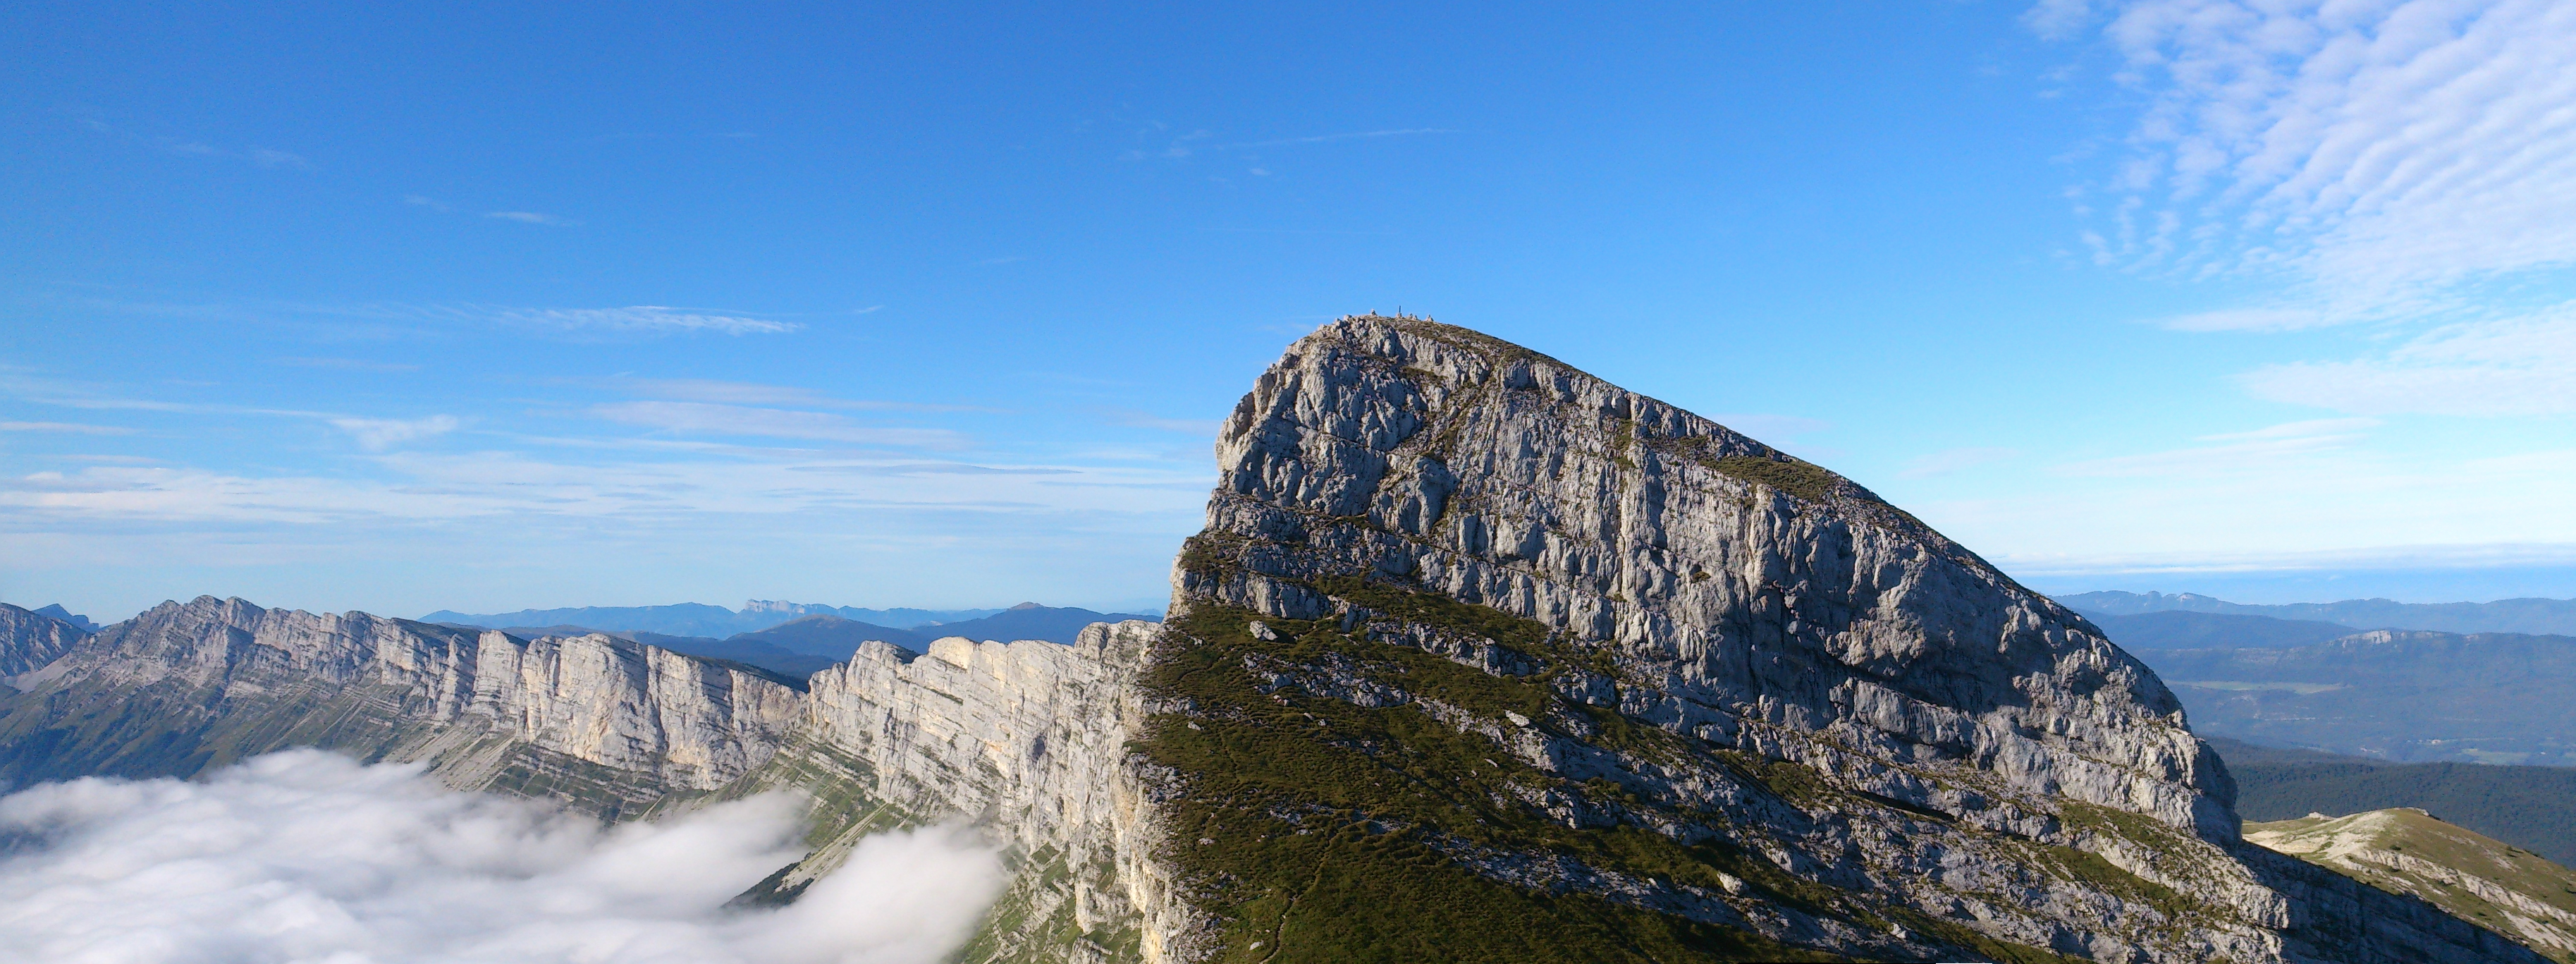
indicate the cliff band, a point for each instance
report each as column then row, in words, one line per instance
column 1478, row 658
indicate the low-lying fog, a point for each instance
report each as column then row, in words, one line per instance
column 309, row 857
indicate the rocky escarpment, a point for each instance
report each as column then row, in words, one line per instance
column 1478, row 658
column 602, row 722
column 31, row 641
column 1467, row 621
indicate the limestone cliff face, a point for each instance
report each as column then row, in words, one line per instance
column 29, row 642
column 1975, row 769
column 1029, row 740
column 1478, row 658
column 1752, row 598
column 225, row 678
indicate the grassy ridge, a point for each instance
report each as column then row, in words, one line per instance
column 2529, row 807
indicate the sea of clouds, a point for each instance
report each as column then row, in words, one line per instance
column 304, row 856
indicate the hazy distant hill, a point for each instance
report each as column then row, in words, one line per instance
column 700, row 619
column 2389, row 694
column 2531, row 807
column 1032, row 621
column 835, row 637
column 56, row 611
column 2181, row 629
column 2536, row 616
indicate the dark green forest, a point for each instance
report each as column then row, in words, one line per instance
column 2530, row 807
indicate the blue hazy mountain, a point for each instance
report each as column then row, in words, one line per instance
column 1032, row 621
column 56, row 611
column 2533, row 616
column 701, row 619
column 2184, row 629
column 2398, row 695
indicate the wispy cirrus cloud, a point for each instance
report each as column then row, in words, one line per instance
column 1204, row 142
column 2263, row 449
column 2375, row 154
column 260, row 156
column 348, row 364
column 71, row 427
column 379, row 434
column 634, row 319
column 532, row 217
column 2516, row 366
column 754, row 393
column 702, row 418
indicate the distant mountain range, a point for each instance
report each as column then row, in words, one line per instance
column 2182, row 629
column 717, row 622
column 2535, row 616
column 57, row 612
column 2391, row 694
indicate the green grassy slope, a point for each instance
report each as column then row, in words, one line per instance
column 2530, row 807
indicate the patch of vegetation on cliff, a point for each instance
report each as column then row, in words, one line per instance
column 1323, row 830
column 1212, row 553
column 1802, row 479
column 1328, row 824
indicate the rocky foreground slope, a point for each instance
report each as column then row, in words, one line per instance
column 2409, row 851
column 1479, row 658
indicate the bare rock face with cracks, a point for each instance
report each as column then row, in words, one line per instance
column 1478, row 658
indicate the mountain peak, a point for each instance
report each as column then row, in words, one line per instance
column 1025, row 607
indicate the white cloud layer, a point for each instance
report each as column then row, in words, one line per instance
column 379, row 434
column 2380, row 150
column 306, row 856
column 637, row 319
column 2507, row 367
column 704, row 418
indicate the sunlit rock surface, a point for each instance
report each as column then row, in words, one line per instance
column 1478, row 658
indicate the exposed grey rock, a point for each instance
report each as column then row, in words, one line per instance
column 1974, row 754
column 31, row 641
column 222, row 679
column 1761, row 604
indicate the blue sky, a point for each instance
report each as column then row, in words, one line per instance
column 405, row 309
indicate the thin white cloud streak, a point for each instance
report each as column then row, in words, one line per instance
column 2253, row 451
column 349, row 364
column 1329, row 138
column 428, row 488
column 531, row 217
column 2520, row 366
column 2476, row 556
column 303, row 855
column 712, row 419
column 379, row 434
column 397, row 320
column 2380, row 152
column 260, row 156
column 71, row 427
column 754, row 393
column 641, row 319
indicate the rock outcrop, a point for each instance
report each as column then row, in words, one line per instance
column 1478, row 658
column 602, row 722
column 31, row 641
column 1712, row 684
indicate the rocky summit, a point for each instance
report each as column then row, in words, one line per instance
column 1479, row 658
